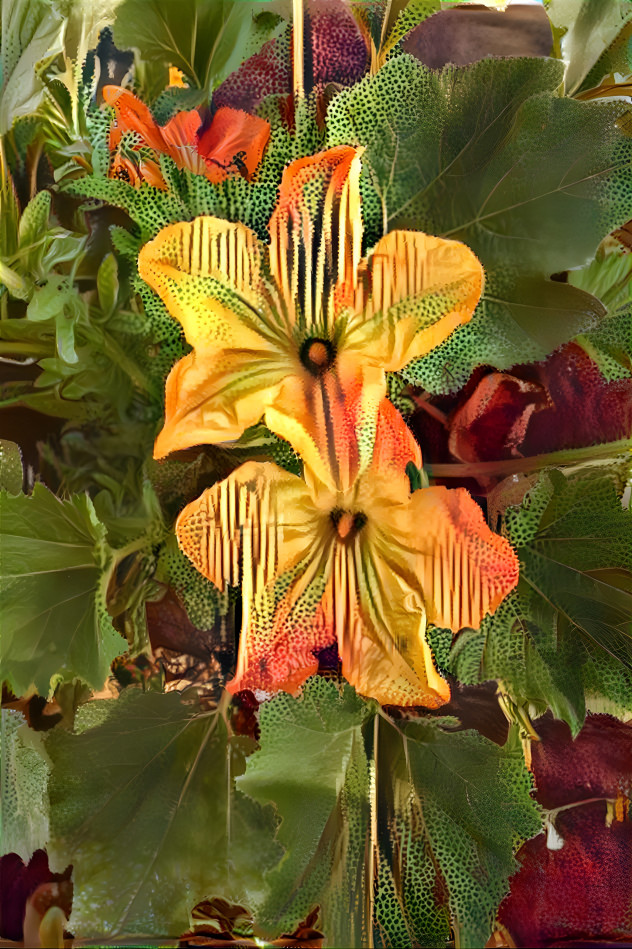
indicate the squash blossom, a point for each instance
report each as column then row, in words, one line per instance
column 364, row 564
column 281, row 331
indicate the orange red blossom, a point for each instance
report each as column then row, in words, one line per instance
column 302, row 333
column 232, row 143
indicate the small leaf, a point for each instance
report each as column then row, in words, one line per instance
column 590, row 26
column 11, row 471
column 107, row 283
column 32, row 32
column 34, row 220
column 55, row 625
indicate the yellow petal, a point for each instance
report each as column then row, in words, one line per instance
column 316, row 235
column 379, row 621
column 208, row 273
column 259, row 528
column 214, row 394
column 248, row 528
column 465, row 569
column 417, row 290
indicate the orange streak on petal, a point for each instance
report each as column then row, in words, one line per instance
column 316, row 232
column 465, row 569
column 395, row 445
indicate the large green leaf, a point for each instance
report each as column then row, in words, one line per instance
column 206, row 39
column 53, row 568
column 142, row 804
column 32, row 35
column 460, row 809
column 312, row 765
column 490, row 154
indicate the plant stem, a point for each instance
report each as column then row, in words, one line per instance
column 22, row 348
column 298, row 51
column 530, row 463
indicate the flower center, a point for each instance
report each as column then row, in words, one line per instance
column 348, row 523
column 317, row 355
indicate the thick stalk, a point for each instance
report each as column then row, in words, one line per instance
column 530, row 463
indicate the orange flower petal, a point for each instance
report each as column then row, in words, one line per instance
column 132, row 115
column 233, row 133
column 395, row 444
column 151, row 173
column 316, row 235
column 180, row 138
column 417, row 290
column 248, row 528
column 379, row 621
column 214, row 394
column 330, row 420
column 464, row 568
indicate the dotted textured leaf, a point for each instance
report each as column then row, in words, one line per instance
column 491, row 155
column 55, row 625
column 465, row 805
column 149, row 776
column 312, row 765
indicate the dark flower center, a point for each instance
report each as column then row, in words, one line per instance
column 317, row 355
column 348, row 523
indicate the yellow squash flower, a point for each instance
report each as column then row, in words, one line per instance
column 364, row 565
column 278, row 331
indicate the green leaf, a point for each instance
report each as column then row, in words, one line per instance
column 23, row 792
column 204, row 39
column 11, row 471
column 53, row 570
column 461, row 804
column 520, row 318
column 32, row 32
column 34, row 219
column 312, row 765
column 490, row 154
column 608, row 276
column 107, row 283
column 564, row 638
column 59, row 299
column 590, row 27
column 583, row 533
column 150, row 776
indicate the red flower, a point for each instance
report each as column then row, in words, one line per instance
column 232, row 143
column 575, row 888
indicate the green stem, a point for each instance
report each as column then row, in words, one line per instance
column 530, row 463
column 21, row 348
